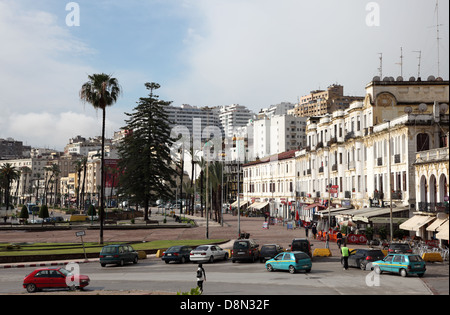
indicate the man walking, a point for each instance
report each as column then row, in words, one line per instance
column 345, row 253
column 201, row 276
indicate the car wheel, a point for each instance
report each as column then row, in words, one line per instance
column 135, row 261
column 269, row 267
column 308, row 270
column 403, row 272
column 183, row 260
column 420, row 275
column 233, row 261
column 291, row 269
column 211, row 259
column 121, row 263
column 31, row 288
column 362, row 265
column 103, row 265
column 225, row 257
column 377, row 270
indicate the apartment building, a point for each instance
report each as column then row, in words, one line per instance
column 400, row 126
column 194, row 118
column 321, row 102
column 233, row 117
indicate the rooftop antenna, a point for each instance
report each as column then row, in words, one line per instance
column 437, row 37
column 401, row 61
column 420, row 58
column 380, row 69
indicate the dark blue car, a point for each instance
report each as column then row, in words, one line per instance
column 178, row 253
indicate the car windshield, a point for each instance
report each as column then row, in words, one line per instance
column 415, row 258
column 240, row 245
column 399, row 246
column 269, row 248
column 204, row 248
column 109, row 250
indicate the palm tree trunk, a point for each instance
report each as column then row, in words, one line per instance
column 102, row 185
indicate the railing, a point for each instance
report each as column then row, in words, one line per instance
column 433, row 207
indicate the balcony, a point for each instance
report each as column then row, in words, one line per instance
column 349, row 135
column 397, row 158
column 378, row 195
column 397, row 194
column 347, row 194
column 433, row 207
column 334, row 167
column 351, row 165
column 321, row 169
column 308, row 172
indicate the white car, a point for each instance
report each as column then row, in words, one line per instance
column 209, row 253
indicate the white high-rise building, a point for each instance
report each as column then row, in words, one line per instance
column 277, row 134
column 234, row 116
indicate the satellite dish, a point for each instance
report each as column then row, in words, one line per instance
column 422, row 107
column 443, row 108
column 408, row 110
column 399, row 78
column 431, row 78
column 412, row 79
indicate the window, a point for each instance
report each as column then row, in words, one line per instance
column 423, row 142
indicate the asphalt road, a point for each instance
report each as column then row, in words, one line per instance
column 327, row 277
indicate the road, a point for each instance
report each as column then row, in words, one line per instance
column 225, row 278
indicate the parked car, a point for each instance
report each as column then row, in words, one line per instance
column 403, row 264
column 209, row 253
column 292, row 261
column 269, row 251
column 46, row 278
column 245, row 249
column 178, row 253
column 118, row 254
column 360, row 258
column 301, row 244
column 402, row 248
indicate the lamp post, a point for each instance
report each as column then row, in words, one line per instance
column 389, row 178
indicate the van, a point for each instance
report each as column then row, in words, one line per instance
column 245, row 250
column 118, row 254
column 301, row 244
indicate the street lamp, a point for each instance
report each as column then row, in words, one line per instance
column 389, row 177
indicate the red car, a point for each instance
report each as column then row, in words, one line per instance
column 53, row 278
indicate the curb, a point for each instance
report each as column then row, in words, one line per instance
column 43, row 264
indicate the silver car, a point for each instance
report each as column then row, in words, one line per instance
column 204, row 253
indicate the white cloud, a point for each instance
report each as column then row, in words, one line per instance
column 42, row 73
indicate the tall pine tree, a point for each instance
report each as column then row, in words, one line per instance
column 146, row 169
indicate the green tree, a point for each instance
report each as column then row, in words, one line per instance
column 43, row 212
column 24, row 213
column 8, row 174
column 145, row 163
column 101, row 91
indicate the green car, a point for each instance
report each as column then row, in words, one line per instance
column 403, row 264
column 118, row 254
column 292, row 261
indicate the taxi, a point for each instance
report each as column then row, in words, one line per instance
column 291, row 261
column 403, row 264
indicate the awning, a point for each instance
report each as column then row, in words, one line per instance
column 332, row 211
column 369, row 214
column 436, row 224
column 416, row 222
column 313, row 206
column 443, row 232
column 259, row 205
column 242, row 203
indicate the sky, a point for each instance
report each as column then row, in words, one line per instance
column 254, row 53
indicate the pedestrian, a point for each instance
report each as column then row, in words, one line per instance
column 339, row 239
column 327, row 240
column 306, row 230
column 314, row 231
column 345, row 253
column 201, row 276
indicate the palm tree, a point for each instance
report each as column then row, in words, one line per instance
column 101, row 91
column 9, row 174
